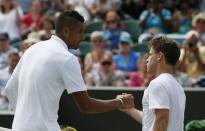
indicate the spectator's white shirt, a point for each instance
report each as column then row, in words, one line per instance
column 4, row 77
column 8, row 23
column 164, row 92
column 43, row 73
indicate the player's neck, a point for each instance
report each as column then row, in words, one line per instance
column 164, row 69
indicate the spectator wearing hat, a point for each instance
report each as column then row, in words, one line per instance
column 32, row 38
column 192, row 57
column 126, row 60
column 198, row 23
column 5, row 49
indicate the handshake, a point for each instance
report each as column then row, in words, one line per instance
column 127, row 102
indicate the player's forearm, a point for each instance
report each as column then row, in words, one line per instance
column 97, row 106
column 136, row 114
column 160, row 125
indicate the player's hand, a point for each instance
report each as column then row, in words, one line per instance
column 128, row 102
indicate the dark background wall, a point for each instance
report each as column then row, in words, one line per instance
column 115, row 120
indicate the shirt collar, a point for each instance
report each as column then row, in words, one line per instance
column 58, row 39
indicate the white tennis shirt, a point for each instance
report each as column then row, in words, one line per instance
column 35, row 87
column 164, row 92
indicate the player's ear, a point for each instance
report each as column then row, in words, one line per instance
column 160, row 56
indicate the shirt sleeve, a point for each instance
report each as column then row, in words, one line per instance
column 11, row 89
column 71, row 74
column 158, row 97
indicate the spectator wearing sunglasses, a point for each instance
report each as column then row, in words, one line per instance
column 127, row 59
column 112, row 31
column 107, row 73
column 93, row 59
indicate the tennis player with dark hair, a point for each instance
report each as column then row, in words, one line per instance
column 45, row 71
column 164, row 99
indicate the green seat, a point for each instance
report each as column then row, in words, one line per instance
column 133, row 27
column 93, row 26
column 85, row 47
column 141, row 48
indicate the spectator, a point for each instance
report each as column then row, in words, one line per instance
column 31, row 21
column 140, row 78
column 156, row 17
column 132, row 8
column 107, row 75
column 5, row 50
column 48, row 27
column 182, row 18
column 112, row 31
column 5, row 74
column 93, row 59
column 10, row 19
column 32, row 38
column 192, row 61
column 184, row 79
column 198, row 23
column 98, row 8
column 126, row 60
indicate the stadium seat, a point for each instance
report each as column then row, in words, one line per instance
column 141, row 48
column 93, row 26
column 85, row 47
column 132, row 26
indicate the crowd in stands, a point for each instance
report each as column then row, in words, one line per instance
column 117, row 36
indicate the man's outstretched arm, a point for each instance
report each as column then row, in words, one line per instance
column 86, row 104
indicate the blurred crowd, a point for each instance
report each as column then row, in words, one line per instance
column 111, row 56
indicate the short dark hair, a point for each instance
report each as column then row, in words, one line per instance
column 167, row 46
column 69, row 19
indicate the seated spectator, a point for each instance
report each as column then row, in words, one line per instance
column 198, row 23
column 182, row 18
column 112, row 31
column 133, row 8
column 140, row 78
column 48, row 28
column 31, row 21
column 192, row 60
column 107, row 75
column 5, row 49
column 93, row 59
column 5, row 74
column 184, row 79
column 127, row 59
column 98, row 8
column 156, row 17
column 10, row 15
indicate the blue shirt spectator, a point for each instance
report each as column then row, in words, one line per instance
column 126, row 60
column 128, row 65
column 154, row 20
